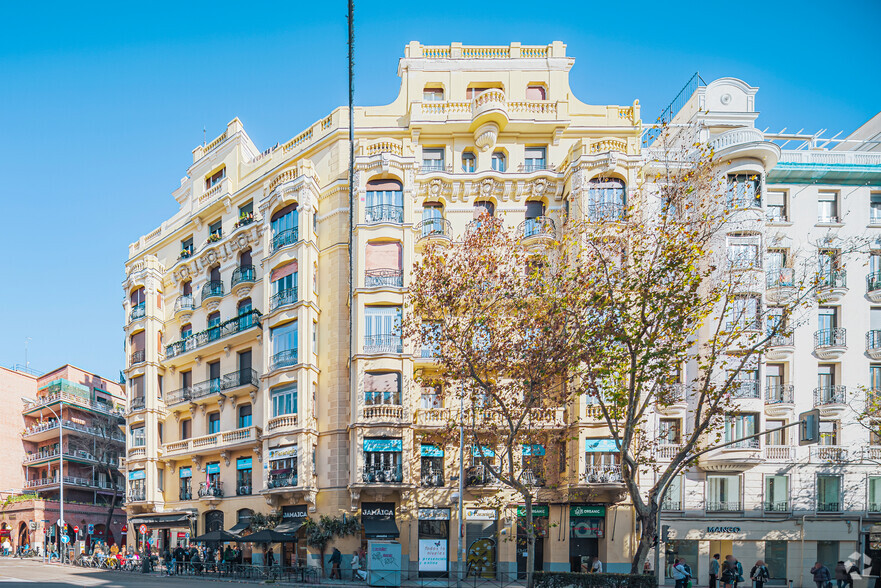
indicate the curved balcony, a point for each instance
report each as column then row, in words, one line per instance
column 609, row 475
column 243, row 277
column 434, row 230
column 137, row 403
column 780, row 284
column 139, row 356
column 137, row 312
column 734, row 458
column 282, row 480
column 779, row 399
column 388, row 343
column 489, row 107
column 285, row 358
column 211, row 490
column 538, row 228
column 606, row 212
column 384, row 213
column 780, row 347
column 746, row 142
column 745, row 389
column 283, row 298
column 671, row 400
column 873, row 344
column 831, row 400
column 830, row 343
column 239, row 324
column 211, row 291
column 246, row 378
column 384, row 278
column 831, row 286
column 283, row 239
column 431, row 417
column 873, row 286
column 184, row 307
column 283, row 423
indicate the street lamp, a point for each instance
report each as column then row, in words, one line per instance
column 60, row 465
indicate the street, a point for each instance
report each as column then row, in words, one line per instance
column 16, row 572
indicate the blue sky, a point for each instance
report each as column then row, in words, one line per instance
column 102, row 104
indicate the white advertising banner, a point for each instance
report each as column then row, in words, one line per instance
column 432, row 555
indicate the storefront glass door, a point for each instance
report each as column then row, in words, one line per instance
column 775, row 559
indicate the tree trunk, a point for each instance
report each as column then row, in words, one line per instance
column 648, row 524
column 530, row 543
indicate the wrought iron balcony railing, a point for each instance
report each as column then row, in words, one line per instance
column 836, row 337
column 137, row 312
column 243, row 322
column 873, row 340
column 212, row 289
column 776, row 506
column 780, row 277
column 432, row 478
column 836, row 279
column 244, row 377
column 284, row 480
column 184, row 303
column 137, row 403
column 534, row 227
column 211, row 489
column 382, row 475
column 137, row 357
column 384, row 213
column 388, row 277
column 434, row 227
column 825, row 395
column 388, row 343
column 873, row 282
column 745, row 389
column 284, row 238
column 283, row 298
column 243, row 274
column 781, row 340
column 779, row 394
column 724, row 506
column 828, row 506
column 606, row 211
column 285, row 358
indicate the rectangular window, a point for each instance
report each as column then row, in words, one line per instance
column 382, row 329
column 384, row 264
column 874, row 502
column 776, row 493
column 185, row 489
column 432, row 471
column 743, row 313
column 243, row 476
column 498, row 161
column 535, row 93
column 828, row 493
column 382, row 388
column 744, row 191
column 245, row 416
column 875, row 378
column 213, row 423
column 215, row 230
column 215, row 178
column 827, row 207
column 186, row 247
column 382, row 460
column 138, row 436
column 746, row 383
column 775, row 211
column 285, row 224
column 284, row 400
column 875, row 208
column 829, row 433
column 744, row 252
column 776, row 438
column 670, row 431
column 673, row 497
column 739, row 426
column 432, row 160
column 469, row 162
column 384, row 202
column 723, row 493
column 775, row 393
column 186, row 428
column 433, row 95
column 314, row 338
column 534, row 159
column 284, row 345
column 606, row 199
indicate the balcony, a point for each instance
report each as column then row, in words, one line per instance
column 211, row 490
column 489, row 107
column 874, row 507
column 479, row 475
column 383, row 412
column 432, row 417
column 209, row 444
column 184, row 307
column 382, row 475
column 74, row 455
column 534, row 165
column 873, row 286
column 745, row 142
column 433, row 478
column 432, row 165
column 537, row 228
column 283, row 359
column 831, row 286
column 226, row 383
column 532, row 478
column 184, row 495
column 282, row 423
column 284, row 238
column 283, row 298
column 776, row 506
column 137, row 403
column 243, row 277
column 388, row 343
column 780, row 284
column 667, row 451
column 603, row 475
column 384, row 213
column 282, row 480
column 49, row 430
column 873, row 344
column 212, row 291
column 830, row 343
column 780, row 347
column 779, row 399
column 831, row 400
column 137, row 357
column 829, row 454
column 384, row 278
column 725, row 506
column 239, row 324
column 733, row 458
column 137, row 452
column 745, row 389
column 828, row 506
column 71, row 400
column 136, row 496
column 780, row 453
column 606, row 212
column 138, row 312
column 434, row 230
column 872, row 453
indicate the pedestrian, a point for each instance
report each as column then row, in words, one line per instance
column 821, row 575
column 271, row 557
column 597, row 566
column 356, row 567
column 7, row 546
column 680, row 573
column 738, row 578
column 335, row 559
column 729, row 572
column 168, row 561
column 715, row 567
column 842, row 578
column 647, row 568
column 759, row 574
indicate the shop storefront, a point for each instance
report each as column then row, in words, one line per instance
column 292, row 519
column 166, row 529
column 587, row 525
column 540, row 514
column 378, row 521
column 481, row 542
column 434, row 542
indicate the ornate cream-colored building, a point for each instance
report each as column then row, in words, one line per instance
column 253, row 388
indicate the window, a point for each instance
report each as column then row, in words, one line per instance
column 744, row 191
column 723, row 493
column 246, row 213
column 430, row 397
column 775, row 211
column 283, row 466
column 138, row 436
column 536, row 92
column 213, row 423
column 827, row 207
column 186, row 427
column 776, row 493
column 499, row 161
column 673, row 496
column 213, row 484
column 245, row 416
column 382, row 388
column 384, row 263
column 186, row 247
column 828, row 493
column 284, row 285
column 743, row 313
column 743, row 252
column 315, row 337
column 160, row 480
column 285, row 224
column 874, row 502
column 474, row 92
column 606, row 199
column 775, row 392
column 777, row 438
column 214, row 376
column 243, row 476
column 382, row 460
column 284, row 345
column 185, row 488
column 670, row 431
column 433, row 95
column 284, row 400
column 875, row 377
column 469, row 162
column 829, row 269
column 384, row 202
column 187, row 288
column 532, row 470
column 827, row 323
column 534, row 159
column 875, row 208
column 215, row 178
column 432, row 160
column 746, row 382
column 432, row 466
column 215, row 231
column 739, row 426
column 829, row 433
column 383, row 329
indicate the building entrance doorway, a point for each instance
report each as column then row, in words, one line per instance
column 723, row 548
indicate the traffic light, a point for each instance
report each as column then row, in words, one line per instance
column 809, row 427
column 665, row 533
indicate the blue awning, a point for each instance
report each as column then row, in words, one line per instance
column 137, row 475
column 186, row 472
column 213, row 468
column 383, row 445
column 432, row 451
column 478, row 451
column 243, row 463
column 600, row 445
column 536, row 449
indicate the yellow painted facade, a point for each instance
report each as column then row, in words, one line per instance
column 227, row 330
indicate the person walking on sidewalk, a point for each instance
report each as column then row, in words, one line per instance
column 759, row 574
column 335, row 559
column 715, row 567
column 821, row 575
column 842, row 578
column 680, row 573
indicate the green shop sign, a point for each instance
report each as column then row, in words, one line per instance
column 587, row 511
column 537, row 510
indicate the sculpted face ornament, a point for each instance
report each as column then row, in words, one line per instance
column 486, row 188
column 434, row 188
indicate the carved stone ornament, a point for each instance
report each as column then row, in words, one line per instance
column 434, row 188
column 221, row 401
column 356, row 497
column 197, row 463
column 225, row 456
column 539, row 187
column 259, row 452
column 169, row 466
column 486, row 188
column 485, row 136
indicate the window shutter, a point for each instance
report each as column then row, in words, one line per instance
column 384, row 255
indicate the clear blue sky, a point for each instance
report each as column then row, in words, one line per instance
column 103, row 102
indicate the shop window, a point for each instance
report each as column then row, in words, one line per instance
column 434, row 537
column 185, row 483
column 243, row 476
column 283, row 467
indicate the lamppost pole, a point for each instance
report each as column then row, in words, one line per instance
column 57, row 416
column 461, row 554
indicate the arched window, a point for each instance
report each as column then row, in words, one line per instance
column 284, row 285
column 606, row 199
column 433, row 219
column 213, row 520
column 385, row 202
